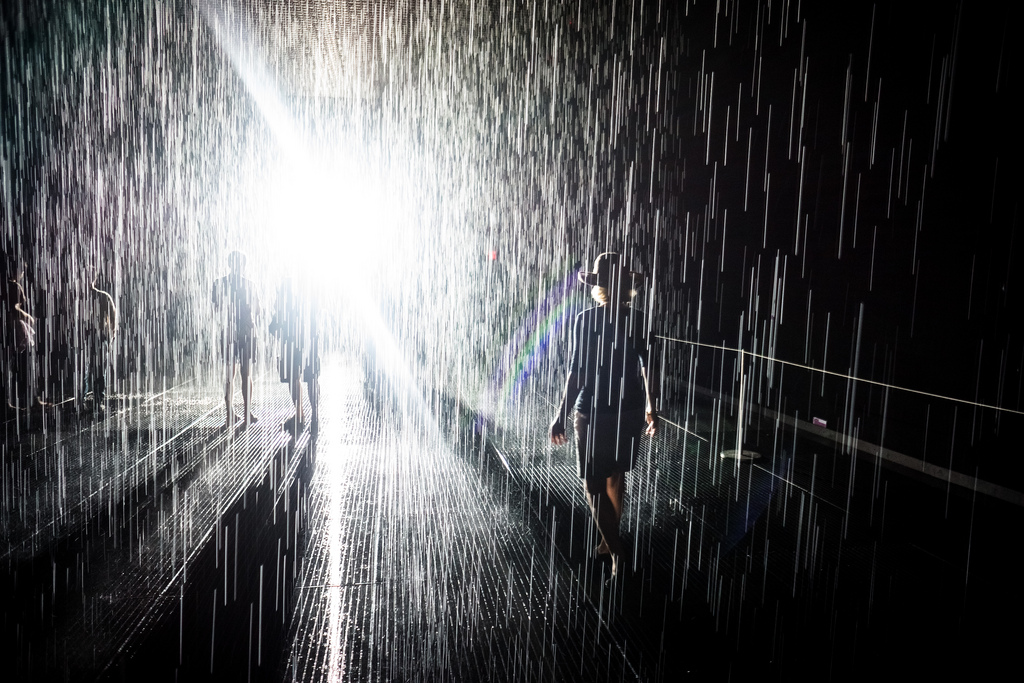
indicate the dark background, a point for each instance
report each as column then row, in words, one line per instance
column 553, row 132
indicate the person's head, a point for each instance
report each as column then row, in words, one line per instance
column 605, row 295
column 610, row 282
column 236, row 262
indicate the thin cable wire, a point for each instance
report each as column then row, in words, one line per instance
column 843, row 376
column 682, row 428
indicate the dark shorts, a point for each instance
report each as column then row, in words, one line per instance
column 608, row 444
column 241, row 349
column 15, row 379
column 296, row 363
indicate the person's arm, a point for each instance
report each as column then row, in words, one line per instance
column 275, row 317
column 111, row 315
column 24, row 315
column 19, row 306
column 652, row 387
column 572, row 390
column 573, row 386
column 257, row 308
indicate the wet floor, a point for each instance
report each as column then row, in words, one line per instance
column 408, row 545
column 439, row 174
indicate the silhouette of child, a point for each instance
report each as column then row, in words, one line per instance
column 295, row 324
column 237, row 306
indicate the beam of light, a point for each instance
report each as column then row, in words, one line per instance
column 254, row 74
column 331, row 222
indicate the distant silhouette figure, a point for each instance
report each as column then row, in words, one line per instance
column 612, row 391
column 100, row 328
column 237, row 306
column 295, row 324
column 18, row 329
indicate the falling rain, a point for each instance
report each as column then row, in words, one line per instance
column 320, row 318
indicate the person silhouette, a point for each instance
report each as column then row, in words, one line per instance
column 100, row 328
column 237, row 307
column 18, row 329
column 612, row 391
column 295, row 323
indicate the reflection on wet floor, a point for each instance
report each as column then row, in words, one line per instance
column 404, row 544
column 430, row 559
column 421, row 567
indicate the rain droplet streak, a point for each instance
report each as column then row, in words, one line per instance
column 439, row 173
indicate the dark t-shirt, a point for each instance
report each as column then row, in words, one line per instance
column 610, row 347
column 237, row 306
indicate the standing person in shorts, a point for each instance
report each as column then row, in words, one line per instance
column 295, row 324
column 237, row 306
column 18, row 328
column 101, row 326
column 612, row 393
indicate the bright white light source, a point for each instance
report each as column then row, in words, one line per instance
column 330, row 221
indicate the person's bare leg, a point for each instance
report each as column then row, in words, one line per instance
column 615, row 492
column 246, row 391
column 602, row 547
column 604, row 515
column 296, row 387
column 313, row 389
column 229, row 418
